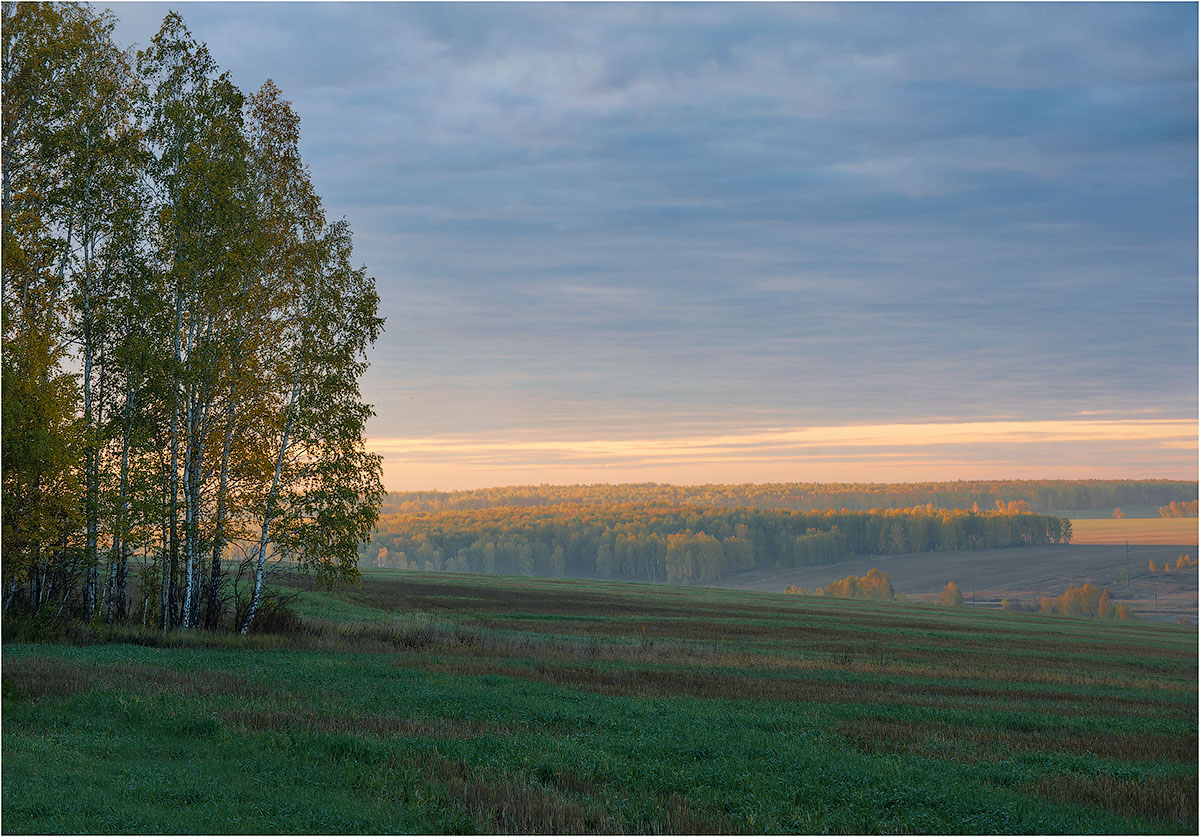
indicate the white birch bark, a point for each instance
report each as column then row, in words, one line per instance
column 261, row 556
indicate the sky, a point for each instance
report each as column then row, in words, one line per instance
column 699, row 243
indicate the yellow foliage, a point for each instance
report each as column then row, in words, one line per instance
column 1087, row 600
column 950, row 595
column 1176, row 509
column 875, row 586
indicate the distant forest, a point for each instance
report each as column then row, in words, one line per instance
column 698, row 534
column 684, row 544
column 1040, row 495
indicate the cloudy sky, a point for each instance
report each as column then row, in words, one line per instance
column 746, row 243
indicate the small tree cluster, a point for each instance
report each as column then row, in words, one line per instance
column 874, row 586
column 1087, row 600
column 951, row 596
column 1188, row 508
column 1183, row 562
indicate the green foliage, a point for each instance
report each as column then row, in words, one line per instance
column 182, row 332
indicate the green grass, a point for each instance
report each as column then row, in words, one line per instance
column 438, row 703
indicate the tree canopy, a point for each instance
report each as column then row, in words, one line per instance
column 183, row 333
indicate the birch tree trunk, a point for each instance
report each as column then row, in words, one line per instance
column 272, row 497
column 213, row 593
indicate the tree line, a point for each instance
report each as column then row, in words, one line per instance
column 183, row 330
column 684, row 544
column 1037, row 495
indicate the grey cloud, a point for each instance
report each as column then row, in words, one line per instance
column 655, row 212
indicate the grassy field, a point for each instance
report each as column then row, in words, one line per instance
column 1153, row 530
column 438, row 703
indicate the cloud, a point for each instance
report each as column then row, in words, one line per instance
column 888, row 440
column 619, row 217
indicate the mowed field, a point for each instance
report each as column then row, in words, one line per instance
column 1150, row 530
column 439, row 703
column 1096, row 555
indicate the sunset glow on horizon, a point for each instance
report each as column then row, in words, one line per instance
column 1067, row 449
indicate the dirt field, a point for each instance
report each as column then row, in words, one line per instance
column 1155, row 530
column 1026, row 574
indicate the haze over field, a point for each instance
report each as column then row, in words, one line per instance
column 716, row 243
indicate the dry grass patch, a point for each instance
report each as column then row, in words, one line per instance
column 833, row 650
column 971, row 744
column 38, row 677
column 478, row 597
column 644, row 682
column 378, row 725
column 1173, row 798
column 1150, row 531
column 509, row 805
column 681, row 817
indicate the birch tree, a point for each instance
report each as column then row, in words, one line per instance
column 195, row 123
column 182, row 330
column 324, row 492
column 66, row 97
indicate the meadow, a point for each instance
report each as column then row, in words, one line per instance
column 446, row 703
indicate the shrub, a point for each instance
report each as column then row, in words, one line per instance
column 951, row 596
column 276, row 613
column 875, row 586
column 1177, row 509
column 1087, row 600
